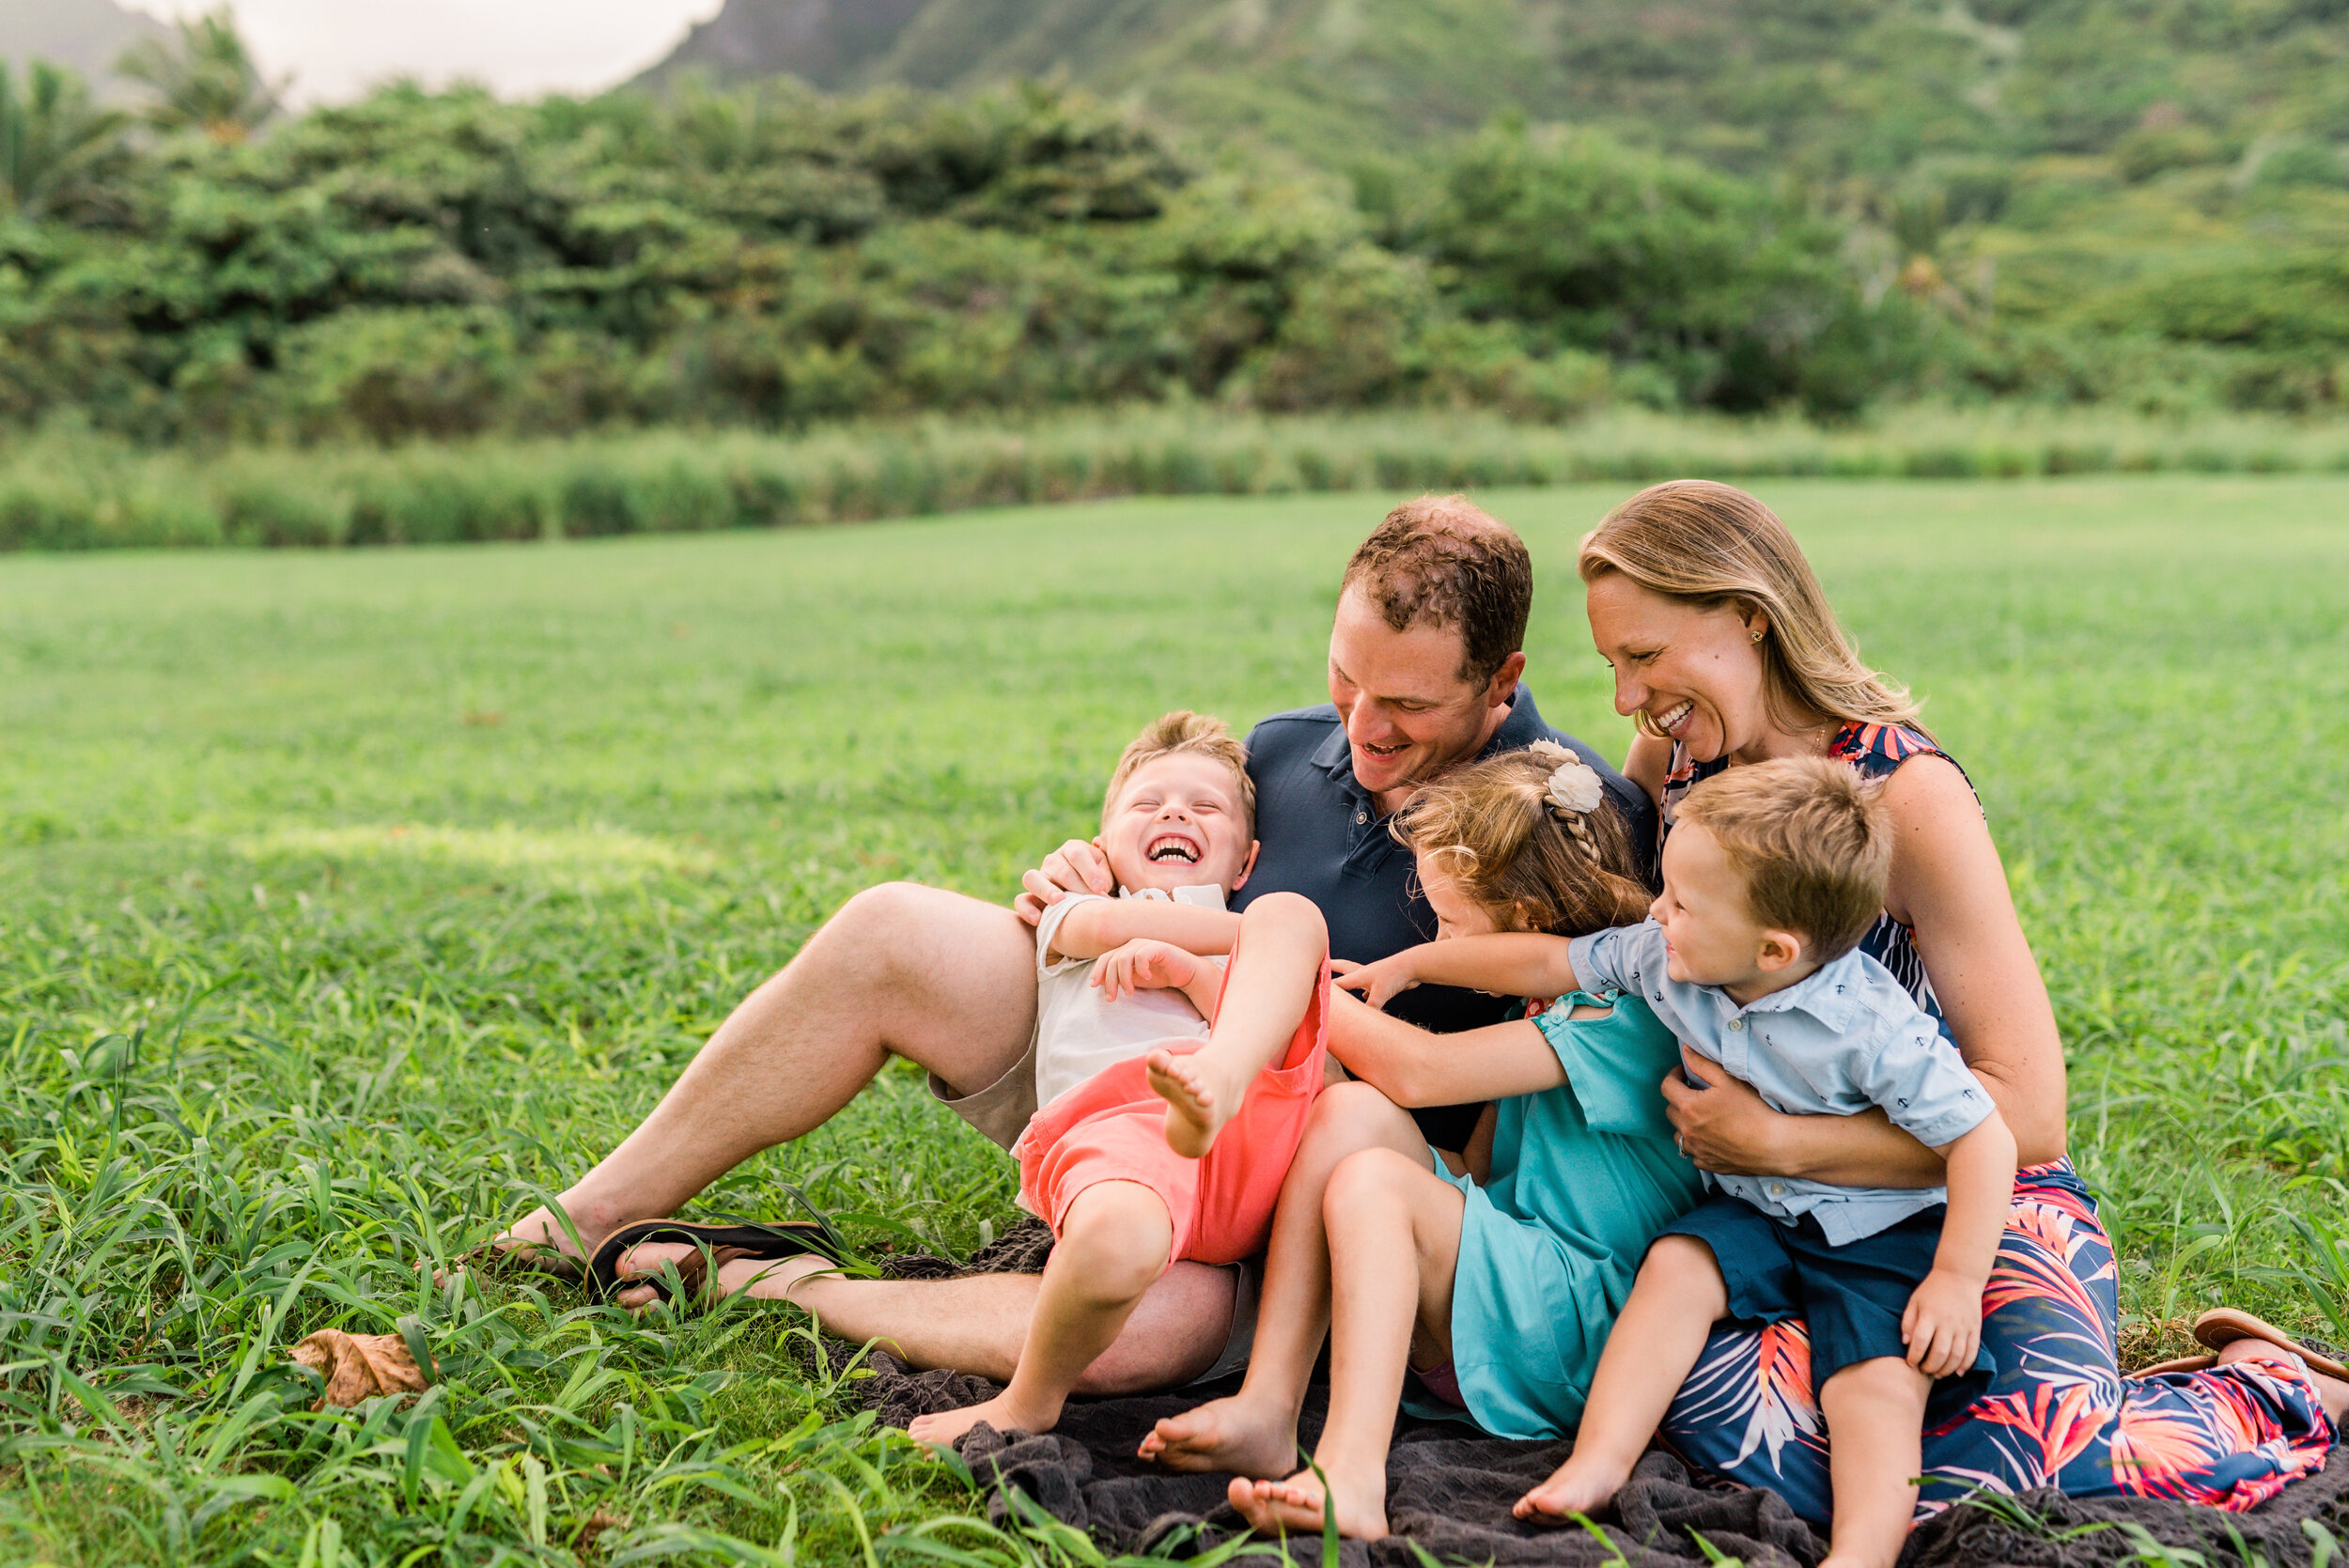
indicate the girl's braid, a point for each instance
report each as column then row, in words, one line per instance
column 1579, row 826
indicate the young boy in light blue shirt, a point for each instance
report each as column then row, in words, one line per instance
column 1772, row 874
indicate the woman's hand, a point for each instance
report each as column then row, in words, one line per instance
column 1378, row 983
column 1143, row 965
column 1732, row 1131
column 1076, row 866
column 1719, row 1121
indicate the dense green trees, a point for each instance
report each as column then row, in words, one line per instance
column 58, row 152
column 439, row 264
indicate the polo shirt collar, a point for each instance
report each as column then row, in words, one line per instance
column 1519, row 730
column 1830, row 993
column 1335, row 756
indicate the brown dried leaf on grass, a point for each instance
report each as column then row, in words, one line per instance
column 360, row 1366
column 597, row 1524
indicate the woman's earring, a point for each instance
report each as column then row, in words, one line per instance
column 1757, row 637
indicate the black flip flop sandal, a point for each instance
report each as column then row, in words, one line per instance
column 715, row 1247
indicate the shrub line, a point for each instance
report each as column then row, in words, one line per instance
column 67, row 490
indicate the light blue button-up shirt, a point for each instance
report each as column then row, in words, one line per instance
column 1843, row 1038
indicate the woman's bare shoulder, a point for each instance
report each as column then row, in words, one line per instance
column 1928, row 785
column 1944, row 864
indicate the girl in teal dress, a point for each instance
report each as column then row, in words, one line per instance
column 1496, row 1286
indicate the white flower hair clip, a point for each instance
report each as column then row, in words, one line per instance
column 1573, row 788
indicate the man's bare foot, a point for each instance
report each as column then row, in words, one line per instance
column 1001, row 1413
column 765, row 1279
column 538, row 1232
column 1225, row 1435
column 2331, row 1391
column 1576, row 1487
column 1202, row 1091
column 1295, row 1505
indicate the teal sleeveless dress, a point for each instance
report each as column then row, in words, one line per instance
column 1583, row 1175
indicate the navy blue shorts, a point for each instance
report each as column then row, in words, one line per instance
column 1853, row 1296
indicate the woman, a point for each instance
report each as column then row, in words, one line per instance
column 1725, row 651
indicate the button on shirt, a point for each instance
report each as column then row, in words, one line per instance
column 1843, row 1038
column 1323, row 838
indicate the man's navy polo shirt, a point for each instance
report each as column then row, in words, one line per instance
column 1323, row 837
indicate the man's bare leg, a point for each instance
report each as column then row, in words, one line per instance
column 1114, row 1241
column 977, row 1324
column 943, row 980
column 1253, row 1433
column 948, row 981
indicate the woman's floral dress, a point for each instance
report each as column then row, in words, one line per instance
column 2058, row 1413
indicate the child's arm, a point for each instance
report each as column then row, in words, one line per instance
column 1942, row 1327
column 1143, row 965
column 1098, row 925
column 1511, row 964
column 1413, row 1067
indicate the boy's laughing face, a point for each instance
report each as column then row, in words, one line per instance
column 1711, row 934
column 1178, row 824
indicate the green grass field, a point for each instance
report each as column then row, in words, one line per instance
column 351, row 902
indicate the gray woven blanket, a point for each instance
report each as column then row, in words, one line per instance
column 1449, row 1492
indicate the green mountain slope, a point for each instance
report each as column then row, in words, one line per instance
column 88, row 35
column 1826, row 88
column 824, row 42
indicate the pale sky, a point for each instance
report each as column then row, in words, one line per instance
column 337, row 48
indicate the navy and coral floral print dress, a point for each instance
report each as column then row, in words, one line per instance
column 2058, row 1413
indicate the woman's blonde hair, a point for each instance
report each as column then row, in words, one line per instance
column 1492, row 828
column 1711, row 545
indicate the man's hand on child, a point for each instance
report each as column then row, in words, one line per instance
column 1378, row 982
column 1076, row 866
column 1143, row 965
column 1942, row 1327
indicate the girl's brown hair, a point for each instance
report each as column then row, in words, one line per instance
column 1712, row 545
column 1492, row 828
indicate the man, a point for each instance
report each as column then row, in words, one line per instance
column 1425, row 653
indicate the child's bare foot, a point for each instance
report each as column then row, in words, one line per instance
column 1295, row 1505
column 1001, row 1413
column 1577, row 1487
column 1202, row 1091
column 1225, row 1435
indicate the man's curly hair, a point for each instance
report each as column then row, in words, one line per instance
column 1444, row 562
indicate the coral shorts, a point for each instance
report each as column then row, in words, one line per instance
column 1113, row 1128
